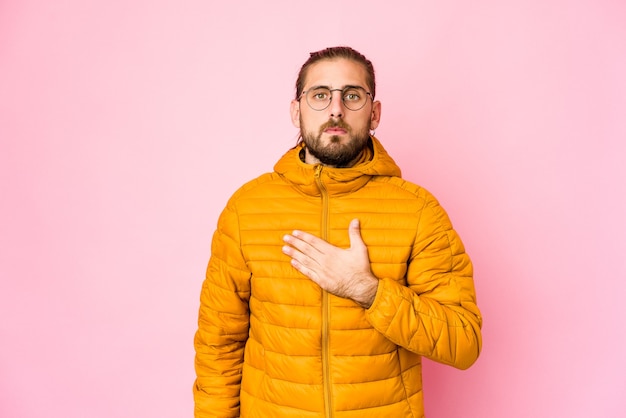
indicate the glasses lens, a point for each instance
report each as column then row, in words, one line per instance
column 318, row 98
column 354, row 98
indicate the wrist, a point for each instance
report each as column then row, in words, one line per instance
column 367, row 291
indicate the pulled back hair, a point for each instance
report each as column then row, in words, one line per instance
column 336, row 52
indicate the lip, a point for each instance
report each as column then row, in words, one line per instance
column 335, row 131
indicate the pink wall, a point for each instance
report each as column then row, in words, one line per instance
column 125, row 126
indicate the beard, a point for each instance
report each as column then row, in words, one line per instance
column 335, row 154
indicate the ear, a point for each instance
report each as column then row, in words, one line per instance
column 294, row 109
column 375, row 117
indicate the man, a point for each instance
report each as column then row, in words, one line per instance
column 331, row 277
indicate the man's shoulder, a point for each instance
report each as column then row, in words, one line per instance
column 402, row 186
column 261, row 186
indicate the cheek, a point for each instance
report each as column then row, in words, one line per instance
column 311, row 122
column 360, row 124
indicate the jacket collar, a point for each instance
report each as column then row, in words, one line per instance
column 336, row 181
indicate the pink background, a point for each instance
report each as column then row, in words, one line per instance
column 125, row 126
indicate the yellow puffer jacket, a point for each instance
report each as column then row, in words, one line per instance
column 271, row 343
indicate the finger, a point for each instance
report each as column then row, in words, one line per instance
column 301, row 263
column 300, row 251
column 296, row 245
column 354, row 232
column 296, row 256
column 303, row 268
column 309, row 238
column 306, row 243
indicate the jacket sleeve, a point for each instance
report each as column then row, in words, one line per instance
column 435, row 314
column 223, row 323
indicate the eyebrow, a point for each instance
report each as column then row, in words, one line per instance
column 347, row 86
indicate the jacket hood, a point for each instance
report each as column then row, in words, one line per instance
column 374, row 161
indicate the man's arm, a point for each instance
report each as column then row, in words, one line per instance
column 435, row 315
column 223, row 323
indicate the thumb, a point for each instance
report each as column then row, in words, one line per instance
column 354, row 232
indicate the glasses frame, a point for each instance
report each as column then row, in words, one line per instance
column 342, row 90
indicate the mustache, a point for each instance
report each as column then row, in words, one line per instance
column 338, row 123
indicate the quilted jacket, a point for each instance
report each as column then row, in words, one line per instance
column 271, row 343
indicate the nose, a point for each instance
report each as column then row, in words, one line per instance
column 336, row 104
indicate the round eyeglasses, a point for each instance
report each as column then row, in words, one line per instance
column 353, row 97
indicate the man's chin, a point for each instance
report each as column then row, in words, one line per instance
column 336, row 139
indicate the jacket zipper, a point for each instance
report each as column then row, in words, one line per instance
column 325, row 302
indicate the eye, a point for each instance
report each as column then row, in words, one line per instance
column 352, row 95
column 319, row 95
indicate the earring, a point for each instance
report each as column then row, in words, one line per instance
column 373, row 132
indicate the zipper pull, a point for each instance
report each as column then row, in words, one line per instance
column 318, row 171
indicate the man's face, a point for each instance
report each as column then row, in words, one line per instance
column 336, row 135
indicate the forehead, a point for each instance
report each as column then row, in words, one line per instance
column 336, row 73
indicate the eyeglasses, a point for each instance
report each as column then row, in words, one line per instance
column 353, row 97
